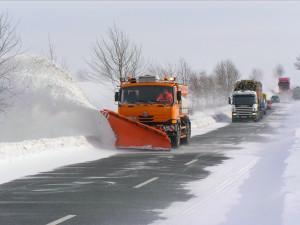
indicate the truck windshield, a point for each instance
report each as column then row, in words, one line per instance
column 147, row 94
column 243, row 99
column 284, row 84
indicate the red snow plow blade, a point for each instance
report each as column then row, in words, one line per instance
column 135, row 135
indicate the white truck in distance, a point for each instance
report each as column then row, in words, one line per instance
column 246, row 101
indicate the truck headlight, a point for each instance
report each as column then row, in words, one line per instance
column 233, row 109
column 254, row 108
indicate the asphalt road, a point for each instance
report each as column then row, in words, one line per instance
column 125, row 189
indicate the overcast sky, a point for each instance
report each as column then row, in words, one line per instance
column 251, row 34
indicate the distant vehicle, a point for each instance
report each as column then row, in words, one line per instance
column 269, row 104
column 247, row 101
column 296, row 93
column 284, row 84
column 275, row 98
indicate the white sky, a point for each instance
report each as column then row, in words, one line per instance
column 251, row 34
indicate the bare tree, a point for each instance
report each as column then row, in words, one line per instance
column 168, row 69
column 225, row 75
column 256, row 74
column 195, row 89
column 278, row 71
column 297, row 64
column 51, row 54
column 10, row 47
column 115, row 57
column 184, row 71
column 206, row 84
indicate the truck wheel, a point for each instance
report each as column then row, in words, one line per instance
column 258, row 117
column 175, row 140
column 187, row 138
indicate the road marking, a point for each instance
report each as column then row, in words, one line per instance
column 194, row 160
column 146, row 182
column 61, row 220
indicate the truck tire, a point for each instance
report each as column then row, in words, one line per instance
column 187, row 138
column 175, row 140
column 258, row 117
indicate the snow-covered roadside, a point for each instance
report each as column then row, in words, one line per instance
column 213, row 196
column 210, row 119
column 19, row 159
column 248, row 188
column 291, row 176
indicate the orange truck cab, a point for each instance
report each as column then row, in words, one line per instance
column 161, row 104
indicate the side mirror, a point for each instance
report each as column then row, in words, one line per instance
column 229, row 101
column 117, row 96
column 179, row 95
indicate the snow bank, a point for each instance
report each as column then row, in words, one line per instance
column 31, row 157
column 49, row 104
column 210, row 119
column 291, row 176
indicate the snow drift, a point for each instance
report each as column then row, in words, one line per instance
column 50, row 104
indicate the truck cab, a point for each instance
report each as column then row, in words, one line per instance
column 244, row 105
column 247, row 101
column 284, row 84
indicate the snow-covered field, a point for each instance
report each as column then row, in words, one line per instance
column 55, row 121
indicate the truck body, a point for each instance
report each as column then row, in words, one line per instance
column 247, row 101
column 139, row 100
column 284, row 84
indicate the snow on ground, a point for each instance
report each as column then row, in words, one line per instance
column 210, row 119
column 19, row 159
column 291, row 176
column 259, row 184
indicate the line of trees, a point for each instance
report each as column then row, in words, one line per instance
column 115, row 56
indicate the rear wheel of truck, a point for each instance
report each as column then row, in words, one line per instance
column 187, row 138
column 175, row 140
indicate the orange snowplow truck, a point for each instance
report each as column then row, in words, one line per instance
column 152, row 114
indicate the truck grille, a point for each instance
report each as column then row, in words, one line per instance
column 243, row 111
column 145, row 119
